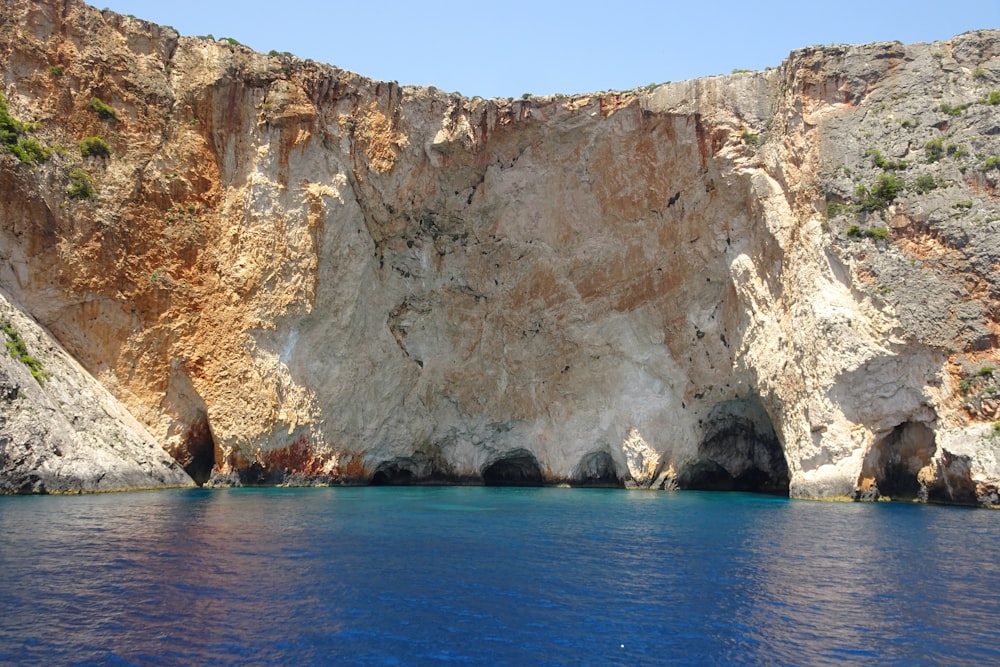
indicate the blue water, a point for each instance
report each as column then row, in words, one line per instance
column 480, row 575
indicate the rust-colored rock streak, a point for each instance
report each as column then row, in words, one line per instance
column 291, row 273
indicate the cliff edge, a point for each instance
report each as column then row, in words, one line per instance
column 781, row 281
column 60, row 430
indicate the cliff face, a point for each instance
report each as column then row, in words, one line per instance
column 60, row 430
column 290, row 273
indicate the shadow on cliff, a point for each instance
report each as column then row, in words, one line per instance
column 518, row 467
column 739, row 451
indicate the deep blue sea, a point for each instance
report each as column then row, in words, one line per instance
column 491, row 576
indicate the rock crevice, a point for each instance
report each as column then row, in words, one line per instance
column 290, row 273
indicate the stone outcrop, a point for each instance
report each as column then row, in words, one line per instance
column 780, row 280
column 60, row 430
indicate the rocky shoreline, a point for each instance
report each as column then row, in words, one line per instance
column 236, row 268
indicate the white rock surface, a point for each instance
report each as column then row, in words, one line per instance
column 67, row 433
column 292, row 272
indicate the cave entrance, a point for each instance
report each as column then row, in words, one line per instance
column 596, row 469
column 198, row 450
column 516, row 468
column 392, row 473
column 739, row 451
column 891, row 468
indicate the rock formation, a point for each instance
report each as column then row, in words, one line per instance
column 60, row 430
column 781, row 280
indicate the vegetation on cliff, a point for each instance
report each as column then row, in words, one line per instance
column 13, row 137
column 19, row 350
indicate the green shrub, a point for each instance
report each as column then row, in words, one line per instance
column 949, row 110
column 525, row 96
column 887, row 187
column 94, row 147
column 10, row 129
column 964, row 204
column 749, row 138
column 876, row 233
column 80, row 186
column 834, row 209
column 18, row 350
column 979, row 73
column 31, row 150
column 891, row 165
column 985, row 371
column 992, row 98
column 56, row 71
column 27, row 149
column 104, row 112
column 232, row 42
column 925, row 183
column 885, row 190
column 991, row 163
column 934, row 149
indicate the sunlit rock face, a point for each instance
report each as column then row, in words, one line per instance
column 60, row 430
column 292, row 274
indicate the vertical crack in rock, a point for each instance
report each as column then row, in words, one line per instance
column 740, row 451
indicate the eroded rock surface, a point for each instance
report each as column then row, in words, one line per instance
column 291, row 273
column 60, row 430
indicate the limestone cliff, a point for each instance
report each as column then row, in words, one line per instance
column 61, row 431
column 782, row 280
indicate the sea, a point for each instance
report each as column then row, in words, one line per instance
column 493, row 576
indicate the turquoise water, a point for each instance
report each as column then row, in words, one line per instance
column 482, row 575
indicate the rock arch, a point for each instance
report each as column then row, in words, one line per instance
column 518, row 467
column 421, row 467
column 739, row 451
column 393, row 473
column 892, row 467
column 596, row 469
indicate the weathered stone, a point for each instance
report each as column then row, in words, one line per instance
column 290, row 273
column 60, row 430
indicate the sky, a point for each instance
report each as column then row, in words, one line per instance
column 544, row 47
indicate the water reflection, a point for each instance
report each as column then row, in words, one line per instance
column 847, row 583
column 484, row 576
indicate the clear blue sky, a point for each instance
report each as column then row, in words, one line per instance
column 504, row 49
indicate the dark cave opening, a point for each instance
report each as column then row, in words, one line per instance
column 259, row 474
column 739, row 451
column 391, row 473
column 891, row 468
column 516, row 468
column 198, row 450
column 596, row 469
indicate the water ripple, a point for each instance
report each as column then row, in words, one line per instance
column 413, row 576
